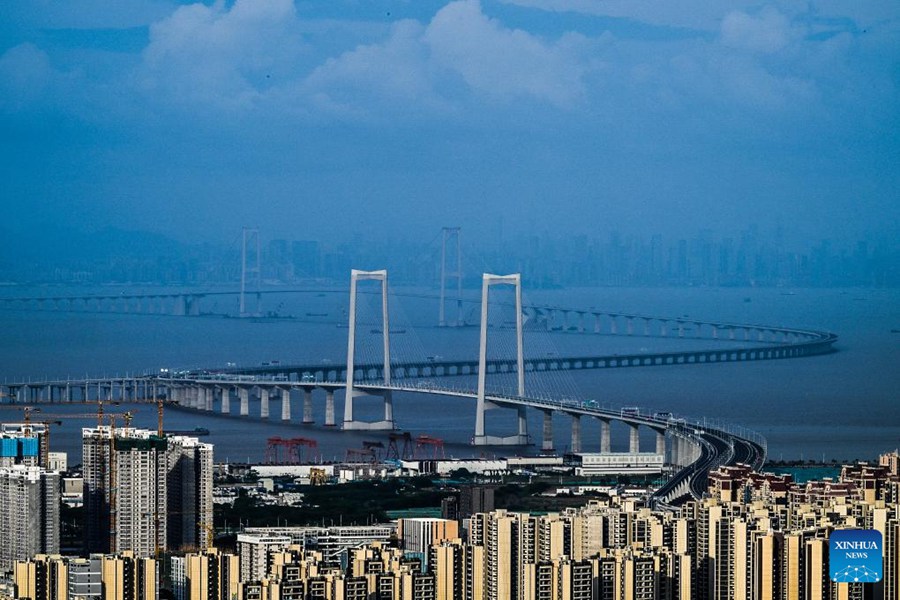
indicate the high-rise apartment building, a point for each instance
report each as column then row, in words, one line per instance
column 29, row 513
column 418, row 534
column 207, row 575
column 145, row 493
column 98, row 577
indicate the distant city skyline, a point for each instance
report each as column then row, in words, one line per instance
column 752, row 257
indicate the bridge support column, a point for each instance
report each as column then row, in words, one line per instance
column 547, row 432
column 575, row 445
column 329, row 408
column 596, row 323
column 634, row 439
column 68, row 393
column 630, row 325
column 210, row 393
column 244, row 395
column 226, row 400
column 307, row 406
column 661, row 442
column 388, row 396
column 263, row 403
column 286, row 404
column 605, row 442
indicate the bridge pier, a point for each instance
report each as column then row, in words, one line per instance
column 263, row 403
column 329, row 408
column 226, row 400
column 244, row 395
column 210, row 396
column 575, row 445
column 547, row 432
column 660, row 441
column 605, row 441
column 286, row 404
column 634, row 439
column 307, row 406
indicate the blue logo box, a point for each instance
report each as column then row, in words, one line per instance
column 855, row 555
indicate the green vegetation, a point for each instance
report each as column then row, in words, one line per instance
column 350, row 503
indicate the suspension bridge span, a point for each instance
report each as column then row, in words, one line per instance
column 692, row 448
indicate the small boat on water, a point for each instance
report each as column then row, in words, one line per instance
column 196, row 431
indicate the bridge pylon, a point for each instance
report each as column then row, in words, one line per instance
column 449, row 234
column 250, row 266
column 350, row 392
column 520, row 438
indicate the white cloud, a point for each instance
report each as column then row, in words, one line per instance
column 768, row 32
column 707, row 15
column 424, row 67
column 505, row 63
column 25, row 72
column 391, row 75
column 213, row 54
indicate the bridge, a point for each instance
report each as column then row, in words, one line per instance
column 691, row 448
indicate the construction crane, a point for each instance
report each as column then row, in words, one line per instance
column 113, row 483
column 317, row 476
column 360, row 455
column 293, row 450
column 374, row 447
column 429, row 447
column 55, row 419
column 29, row 431
column 393, row 450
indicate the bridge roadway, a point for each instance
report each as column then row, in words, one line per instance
column 715, row 446
column 696, row 448
column 822, row 343
column 693, row 447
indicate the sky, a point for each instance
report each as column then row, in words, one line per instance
column 343, row 118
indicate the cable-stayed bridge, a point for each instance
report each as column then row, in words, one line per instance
column 693, row 447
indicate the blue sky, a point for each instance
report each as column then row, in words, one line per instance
column 373, row 117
